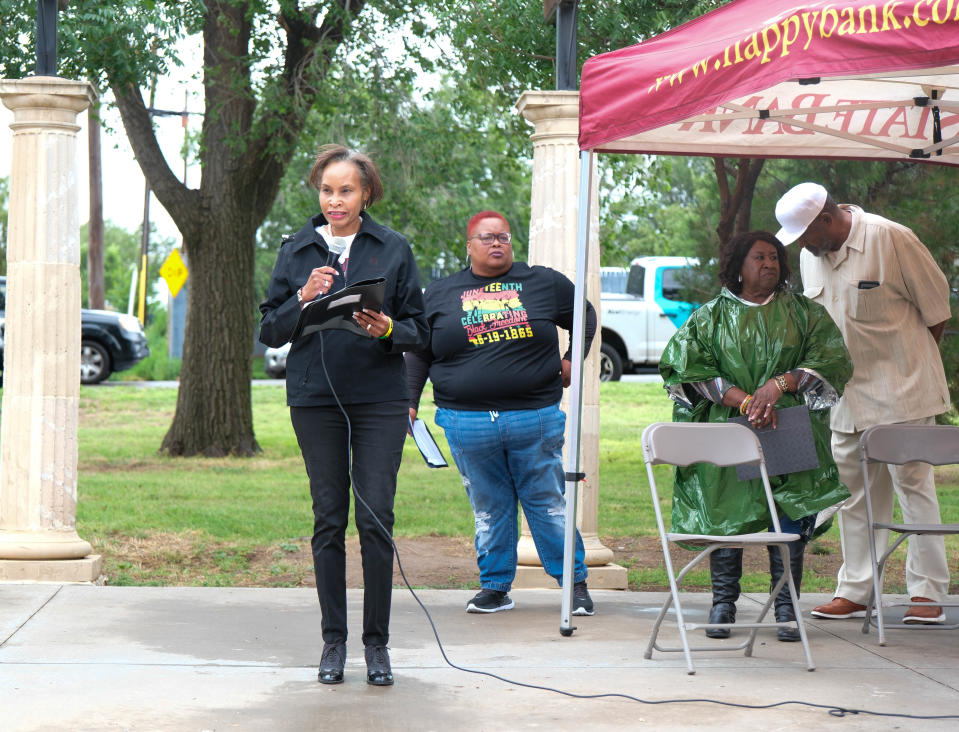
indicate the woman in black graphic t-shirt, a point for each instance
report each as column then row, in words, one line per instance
column 497, row 379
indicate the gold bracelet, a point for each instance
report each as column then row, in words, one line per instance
column 742, row 407
column 388, row 330
column 782, row 383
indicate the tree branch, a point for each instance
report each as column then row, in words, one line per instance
column 179, row 201
column 309, row 52
column 719, row 167
column 735, row 206
column 751, row 175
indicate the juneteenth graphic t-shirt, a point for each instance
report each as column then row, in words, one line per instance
column 493, row 342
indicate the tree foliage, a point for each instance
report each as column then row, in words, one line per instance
column 505, row 47
column 439, row 166
column 458, row 148
column 264, row 68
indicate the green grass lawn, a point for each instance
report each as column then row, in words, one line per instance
column 226, row 510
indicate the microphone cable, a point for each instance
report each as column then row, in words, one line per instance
column 831, row 709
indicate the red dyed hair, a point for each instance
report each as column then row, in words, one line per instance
column 483, row 215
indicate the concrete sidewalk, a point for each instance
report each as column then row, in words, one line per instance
column 185, row 658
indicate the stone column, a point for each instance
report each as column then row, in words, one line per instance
column 41, row 378
column 552, row 242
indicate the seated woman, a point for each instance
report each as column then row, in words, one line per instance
column 754, row 348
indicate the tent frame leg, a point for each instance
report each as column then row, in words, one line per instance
column 576, row 389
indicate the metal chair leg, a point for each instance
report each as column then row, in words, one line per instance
column 794, row 596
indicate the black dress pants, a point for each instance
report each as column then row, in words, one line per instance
column 374, row 438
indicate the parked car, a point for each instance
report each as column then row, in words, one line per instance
column 274, row 361
column 109, row 341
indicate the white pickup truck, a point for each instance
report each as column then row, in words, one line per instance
column 640, row 309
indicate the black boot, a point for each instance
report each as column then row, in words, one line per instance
column 725, row 571
column 783, row 603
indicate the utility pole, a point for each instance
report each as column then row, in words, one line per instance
column 184, row 120
column 145, row 233
column 96, row 291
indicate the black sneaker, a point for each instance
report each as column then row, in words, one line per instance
column 489, row 601
column 582, row 602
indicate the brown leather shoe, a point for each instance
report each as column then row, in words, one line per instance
column 928, row 614
column 839, row 608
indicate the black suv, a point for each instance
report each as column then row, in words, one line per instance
column 109, row 341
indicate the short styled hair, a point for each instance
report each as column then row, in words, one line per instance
column 733, row 253
column 476, row 218
column 369, row 176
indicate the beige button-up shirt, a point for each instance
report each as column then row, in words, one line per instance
column 884, row 290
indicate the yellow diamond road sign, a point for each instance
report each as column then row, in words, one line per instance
column 174, row 271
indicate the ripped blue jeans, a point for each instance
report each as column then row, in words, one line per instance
column 509, row 457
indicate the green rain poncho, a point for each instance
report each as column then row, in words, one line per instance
column 747, row 345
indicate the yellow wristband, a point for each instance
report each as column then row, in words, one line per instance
column 388, row 332
column 742, row 407
column 782, row 383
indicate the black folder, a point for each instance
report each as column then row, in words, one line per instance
column 336, row 309
column 789, row 448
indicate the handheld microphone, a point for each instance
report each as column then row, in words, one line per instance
column 336, row 247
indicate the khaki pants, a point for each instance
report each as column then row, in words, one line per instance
column 927, row 573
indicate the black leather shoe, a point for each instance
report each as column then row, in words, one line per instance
column 378, row 670
column 785, row 613
column 722, row 612
column 331, row 663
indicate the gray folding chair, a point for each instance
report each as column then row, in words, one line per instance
column 729, row 444
column 897, row 444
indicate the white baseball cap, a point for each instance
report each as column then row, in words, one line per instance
column 797, row 209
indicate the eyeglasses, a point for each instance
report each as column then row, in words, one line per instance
column 487, row 239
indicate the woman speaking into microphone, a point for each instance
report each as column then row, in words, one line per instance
column 347, row 393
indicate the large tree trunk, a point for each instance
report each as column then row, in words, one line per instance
column 214, row 414
column 735, row 204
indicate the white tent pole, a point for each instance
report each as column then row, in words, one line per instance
column 573, row 476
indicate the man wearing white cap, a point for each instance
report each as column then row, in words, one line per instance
column 891, row 302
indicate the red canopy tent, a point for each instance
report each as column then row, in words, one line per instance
column 785, row 78
column 848, row 79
